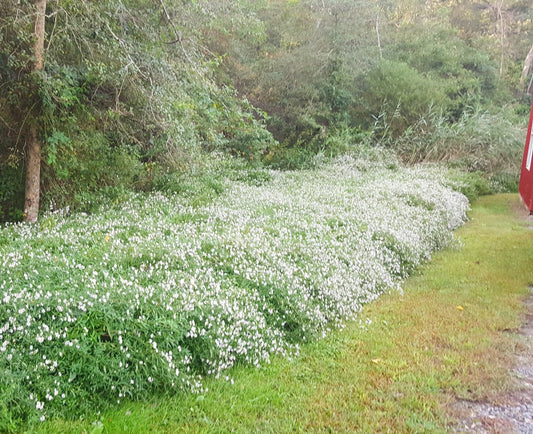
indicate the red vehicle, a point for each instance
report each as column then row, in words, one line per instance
column 525, row 187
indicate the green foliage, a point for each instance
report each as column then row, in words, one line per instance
column 471, row 184
column 155, row 85
column 499, row 30
column 155, row 291
column 200, row 187
column 88, row 166
column 285, row 157
column 11, row 193
column 488, row 277
column 315, row 76
column 301, row 74
column 210, row 179
column 115, row 102
column 468, row 76
column 399, row 94
column 307, row 155
column 55, row 142
column 435, row 73
column 480, row 141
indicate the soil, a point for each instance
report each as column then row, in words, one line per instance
column 513, row 411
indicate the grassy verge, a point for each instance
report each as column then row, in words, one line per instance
column 396, row 370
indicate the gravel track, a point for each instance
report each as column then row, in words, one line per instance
column 512, row 412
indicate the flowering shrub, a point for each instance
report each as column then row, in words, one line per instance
column 155, row 294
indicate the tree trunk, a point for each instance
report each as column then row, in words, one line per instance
column 502, row 35
column 528, row 64
column 33, row 165
column 378, row 36
column 33, row 177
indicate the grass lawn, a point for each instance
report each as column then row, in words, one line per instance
column 397, row 369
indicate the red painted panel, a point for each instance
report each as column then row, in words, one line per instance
column 525, row 187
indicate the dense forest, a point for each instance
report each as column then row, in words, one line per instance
column 101, row 97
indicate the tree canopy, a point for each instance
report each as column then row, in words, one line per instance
column 131, row 90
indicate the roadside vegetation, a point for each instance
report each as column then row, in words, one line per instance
column 400, row 366
column 100, row 308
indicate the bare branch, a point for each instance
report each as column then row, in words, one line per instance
column 176, row 32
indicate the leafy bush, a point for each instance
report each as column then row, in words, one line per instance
column 399, row 94
column 286, row 157
column 480, row 141
column 86, row 166
column 468, row 76
column 471, row 184
column 152, row 293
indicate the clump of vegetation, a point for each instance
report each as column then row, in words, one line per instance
column 317, row 78
column 402, row 364
column 489, row 144
column 154, row 293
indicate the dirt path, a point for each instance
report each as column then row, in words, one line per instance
column 511, row 412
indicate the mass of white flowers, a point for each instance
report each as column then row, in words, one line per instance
column 154, row 294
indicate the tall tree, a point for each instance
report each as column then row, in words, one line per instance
column 33, row 168
column 107, row 87
column 528, row 66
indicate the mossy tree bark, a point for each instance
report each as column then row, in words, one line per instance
column 33, row 165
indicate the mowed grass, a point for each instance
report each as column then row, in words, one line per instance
column 398, row 369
